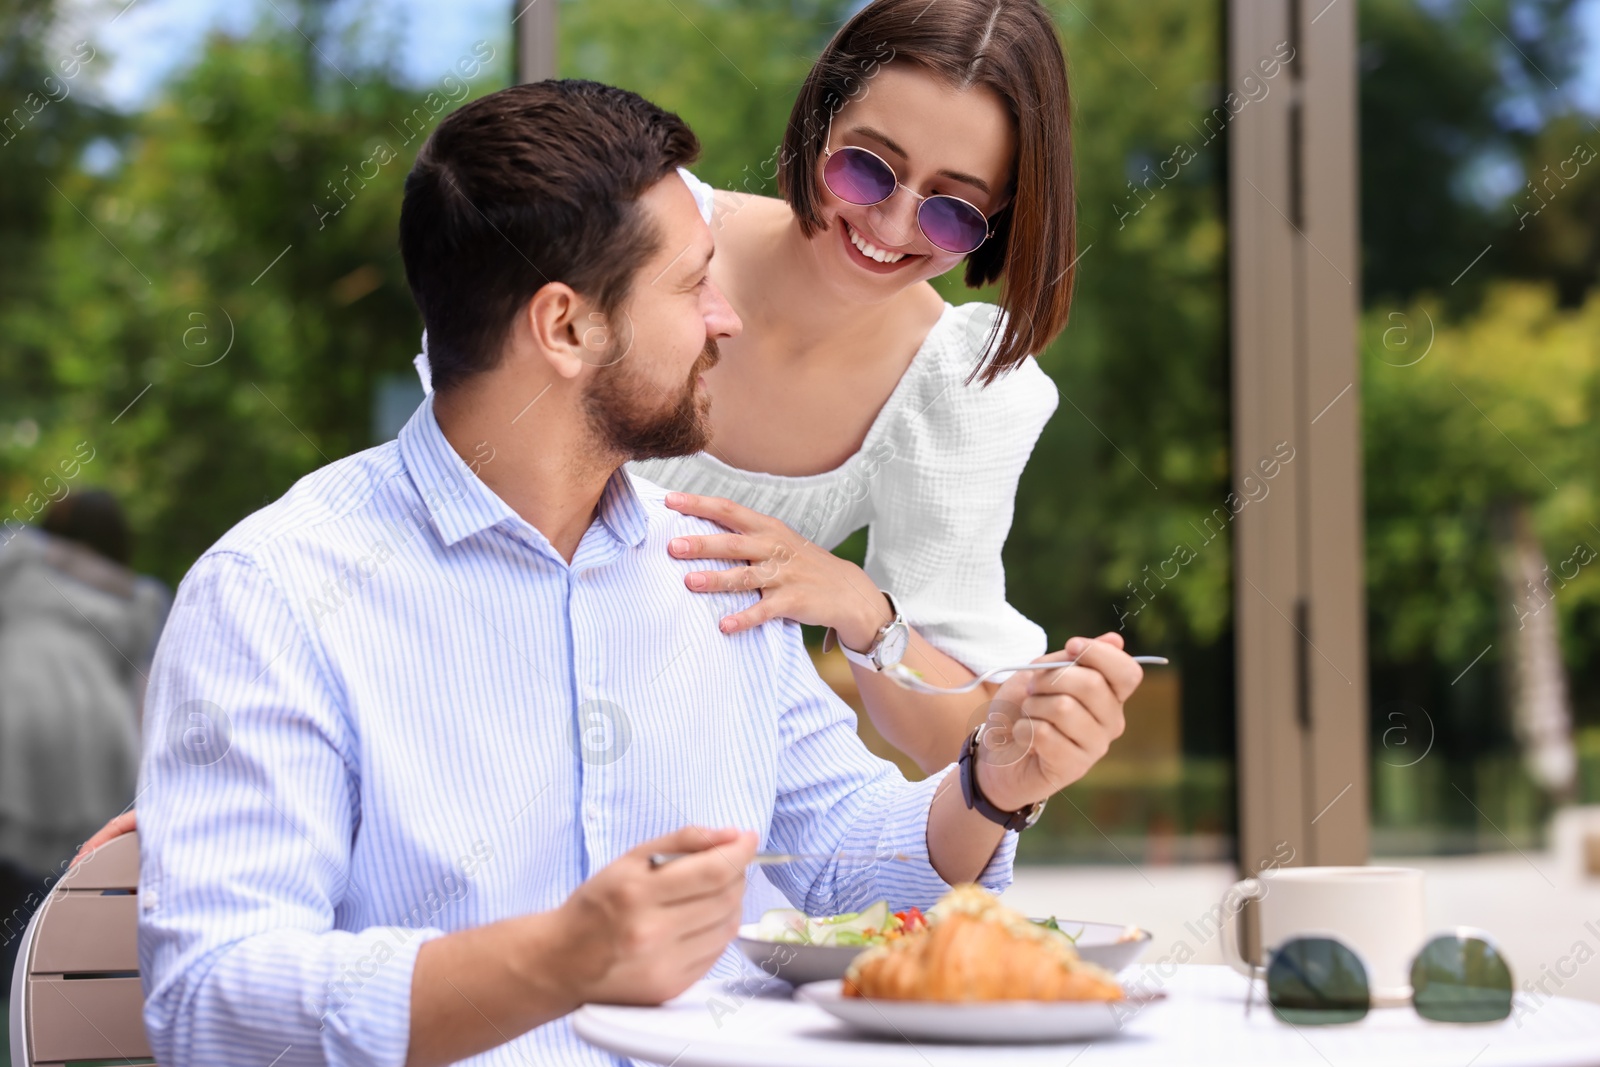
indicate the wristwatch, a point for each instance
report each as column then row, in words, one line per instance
column 976, row 801
column 888, row 646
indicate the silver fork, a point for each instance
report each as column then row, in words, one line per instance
column 906, row 678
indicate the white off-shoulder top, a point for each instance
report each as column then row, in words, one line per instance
column 934, row 483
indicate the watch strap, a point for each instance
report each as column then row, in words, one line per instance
column 869, row 658
column 973, row 796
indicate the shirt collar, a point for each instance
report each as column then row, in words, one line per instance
column 621, row 510
column 461, row 505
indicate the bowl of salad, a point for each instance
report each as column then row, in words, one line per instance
column 798, row 948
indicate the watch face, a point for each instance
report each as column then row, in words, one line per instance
column 894, row 644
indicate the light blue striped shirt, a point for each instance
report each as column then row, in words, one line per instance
column 385, row 708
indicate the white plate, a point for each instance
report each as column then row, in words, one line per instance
column 799, row 964
column 996, row 1022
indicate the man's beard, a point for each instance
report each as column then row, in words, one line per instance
column 626, row 414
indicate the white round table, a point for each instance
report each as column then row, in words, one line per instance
column 1201, row 1021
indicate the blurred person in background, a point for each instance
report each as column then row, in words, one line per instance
column 77, row 630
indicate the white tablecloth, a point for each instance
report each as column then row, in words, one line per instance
column 1201, row 1021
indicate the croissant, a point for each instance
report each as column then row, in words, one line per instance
column 975, row 948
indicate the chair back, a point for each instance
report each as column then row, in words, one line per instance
column 75, row 994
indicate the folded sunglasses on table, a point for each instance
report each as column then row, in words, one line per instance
column 1458, row 977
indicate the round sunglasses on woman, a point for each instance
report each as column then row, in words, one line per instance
column 861, row 177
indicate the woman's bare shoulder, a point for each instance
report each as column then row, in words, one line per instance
column 733, row 199
column 734, row 213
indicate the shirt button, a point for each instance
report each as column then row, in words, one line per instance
column 591, row 812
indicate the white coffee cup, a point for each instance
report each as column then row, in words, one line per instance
column 1377, row 911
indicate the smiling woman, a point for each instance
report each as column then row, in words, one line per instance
column 991, row 126
column 856, row 396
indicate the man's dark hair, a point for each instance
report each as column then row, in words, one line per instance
column 533, row 184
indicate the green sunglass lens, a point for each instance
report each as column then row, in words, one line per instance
column 1461, row 979
column 1314, row 981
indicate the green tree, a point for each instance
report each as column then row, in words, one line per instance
column 217, row 316
column 1137, row 455
column 1553, row 222
column 1461, row 103
column 44, row 128
column 1499, row 410
column 729, row 68
column 1449, row 93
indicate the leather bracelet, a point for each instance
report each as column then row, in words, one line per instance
column 973, row 796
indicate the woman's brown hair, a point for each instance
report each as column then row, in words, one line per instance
column 1009, row 46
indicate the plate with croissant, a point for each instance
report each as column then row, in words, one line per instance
column 790, row 945
column 978, row 971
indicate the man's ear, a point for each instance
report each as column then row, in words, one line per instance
column 558, row 325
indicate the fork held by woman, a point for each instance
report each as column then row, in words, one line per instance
column 904, row 676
